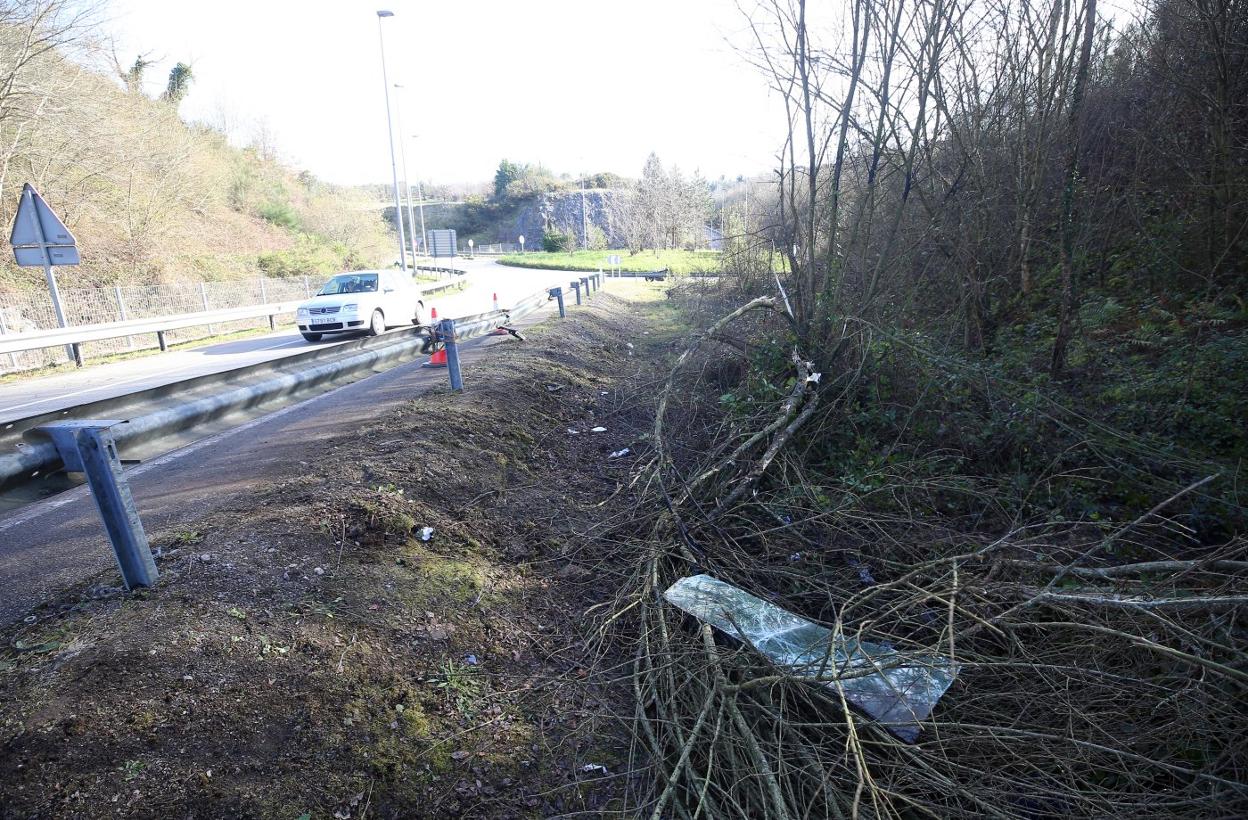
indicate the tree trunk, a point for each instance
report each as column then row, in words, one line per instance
column 1069, row 306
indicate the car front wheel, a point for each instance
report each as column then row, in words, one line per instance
column 377, row 325
column 312, row 337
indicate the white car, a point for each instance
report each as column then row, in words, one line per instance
column 368, row 300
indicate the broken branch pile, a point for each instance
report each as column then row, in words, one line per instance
column 1086, row 682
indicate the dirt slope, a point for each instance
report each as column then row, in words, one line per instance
column 308, row 655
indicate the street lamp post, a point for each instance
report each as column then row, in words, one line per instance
column 584, row 218
column 407, row 181
column 394, row 168
column 420, row 194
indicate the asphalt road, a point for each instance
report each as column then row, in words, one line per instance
column 60, row 541
column 28, row 397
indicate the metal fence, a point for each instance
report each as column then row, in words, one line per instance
column 494, row 248
column 87, row 306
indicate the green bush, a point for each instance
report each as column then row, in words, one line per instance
column 557, row 241
column 280, row 214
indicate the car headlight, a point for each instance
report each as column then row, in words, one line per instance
column 350, row 308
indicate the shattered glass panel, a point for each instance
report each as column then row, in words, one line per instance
column 896, row 688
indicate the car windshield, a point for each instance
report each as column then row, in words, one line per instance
column 350, row 283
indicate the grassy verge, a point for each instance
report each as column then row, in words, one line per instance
column 679, row 262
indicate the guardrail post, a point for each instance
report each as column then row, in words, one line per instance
column 272, row 322
column 162, row 341
column 88, row 447
column 203, row 294
column 3, row 330
column 447, row 331
column 585, row 285
column 576, row 285
column 557, row 293
column 121, row 309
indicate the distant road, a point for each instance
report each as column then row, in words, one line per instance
column 27, row 397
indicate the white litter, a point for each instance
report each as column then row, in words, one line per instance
column 598, row 430
column 426, row 533
column 594, row 767
column 572, row 432
column 619, row 453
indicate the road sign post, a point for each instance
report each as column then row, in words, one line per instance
column 40, row 239
column 522, row 243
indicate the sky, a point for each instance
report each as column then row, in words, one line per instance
column 581, row 87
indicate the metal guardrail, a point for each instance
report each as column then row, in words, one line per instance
column 36, row 339
column 193, row 400
column 80, row 334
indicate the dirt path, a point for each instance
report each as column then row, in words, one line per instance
column 307, row 654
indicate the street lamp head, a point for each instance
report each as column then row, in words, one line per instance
column 384, row 13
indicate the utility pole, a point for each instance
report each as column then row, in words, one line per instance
column 407, row 181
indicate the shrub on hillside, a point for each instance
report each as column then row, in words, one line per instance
column 279, row 213
column 557, row 241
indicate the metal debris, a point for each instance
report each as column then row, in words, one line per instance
column 899, row 693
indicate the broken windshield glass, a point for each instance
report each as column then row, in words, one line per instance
column 896, row 688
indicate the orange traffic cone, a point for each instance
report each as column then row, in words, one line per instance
column 438, row 359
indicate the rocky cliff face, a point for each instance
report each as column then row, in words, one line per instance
column 489, row 222
column 563, row 212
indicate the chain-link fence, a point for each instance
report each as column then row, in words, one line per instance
column 87, row 306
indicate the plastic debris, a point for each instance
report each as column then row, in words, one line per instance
column 598, row 430
column 471, row 660
column 572, row 432
column 594, row 768
column 864, row 572
column 901, row 692
column 426, row 533
column 620, row 453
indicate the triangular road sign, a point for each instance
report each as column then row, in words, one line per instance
column 24, row 229
column 26, row 237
